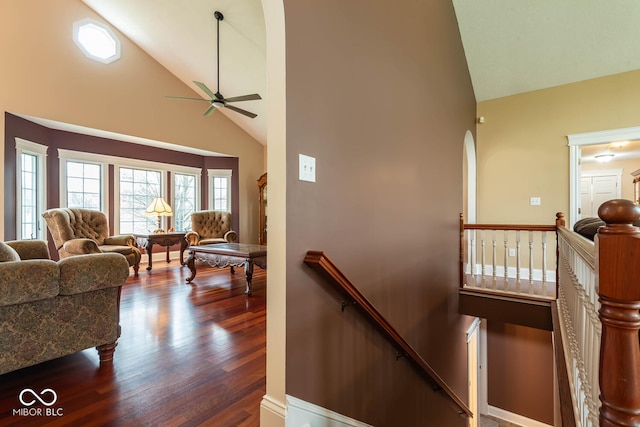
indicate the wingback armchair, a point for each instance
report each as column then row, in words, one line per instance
column 209, row 227
column 84, row 231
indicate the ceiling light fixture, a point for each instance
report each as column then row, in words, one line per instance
column 604, row 158
column 618, row 144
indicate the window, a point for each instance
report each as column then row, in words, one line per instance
column 83, row 185
column 137, row 188
column 96, row 41
column 30, row 189
column 185, row 200
column 220, row 189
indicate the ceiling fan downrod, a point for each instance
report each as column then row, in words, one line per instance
column 219, row 17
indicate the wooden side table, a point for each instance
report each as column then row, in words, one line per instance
column 163, row 239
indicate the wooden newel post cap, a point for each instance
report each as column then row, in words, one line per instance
column 619, row 215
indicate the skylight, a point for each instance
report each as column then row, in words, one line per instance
column 96, row 41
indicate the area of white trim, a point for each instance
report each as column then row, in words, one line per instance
column 68, row 127
column 575, row 141
column 301, row 414
column 603, row 172
column 274, row 407
column 128, row 162
column 512, row 272
column 62, row 166
column 604, row 136
column 92, row 47
column 514, row 418
column 470, row 150
column 40, row 151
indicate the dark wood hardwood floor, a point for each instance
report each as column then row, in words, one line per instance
column 189, row 355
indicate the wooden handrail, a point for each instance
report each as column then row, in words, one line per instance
column 319, row 261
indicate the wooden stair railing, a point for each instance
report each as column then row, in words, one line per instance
column 319, row 261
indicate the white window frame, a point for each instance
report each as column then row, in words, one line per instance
column 40, row 151
column 219, row 173
column 65, row 156
column 164, row 168
column 197, row 177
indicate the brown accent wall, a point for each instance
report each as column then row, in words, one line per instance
column 520, row 370
column 380, row 95
column 54, row 139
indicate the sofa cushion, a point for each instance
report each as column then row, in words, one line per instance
column 7, row 253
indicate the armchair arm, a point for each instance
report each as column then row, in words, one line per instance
column 81, row 247
column 121, row 240
column 27, row 281
column 192, row 237
column 86, row 273
column 30, row 249
column 230, row 236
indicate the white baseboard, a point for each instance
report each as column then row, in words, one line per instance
column 273, row 413
column 305, row 414
column 511, row 272
column 514, row 418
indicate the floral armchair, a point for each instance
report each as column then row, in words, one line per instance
column 84, row 231
column 50, row 309
column 209, row 227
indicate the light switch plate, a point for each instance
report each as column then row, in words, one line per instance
column 307, row 168
column 535, row 201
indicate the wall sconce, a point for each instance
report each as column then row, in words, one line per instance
column 160, row 208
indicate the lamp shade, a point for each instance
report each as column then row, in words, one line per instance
column 159, row 207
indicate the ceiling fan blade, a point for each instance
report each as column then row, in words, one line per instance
column 251, row 97
column 241, row 111
column 187, row 99
column 210, row 110
column 205, row 89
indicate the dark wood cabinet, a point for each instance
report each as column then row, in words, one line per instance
column 262, row 209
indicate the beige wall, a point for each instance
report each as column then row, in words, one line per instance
column 45, row 75
column 522, row 146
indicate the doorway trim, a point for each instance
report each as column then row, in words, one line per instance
column 470, row 152
column 576, row 141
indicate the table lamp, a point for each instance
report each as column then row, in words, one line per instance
column 161, row 208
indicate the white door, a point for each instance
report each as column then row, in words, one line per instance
column 585, row 201
column 597, row 189
column 473, row 350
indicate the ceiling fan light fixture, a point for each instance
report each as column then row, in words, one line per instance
column 217, row 100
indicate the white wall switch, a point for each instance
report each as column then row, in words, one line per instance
column 307, row 168
column 535, row 201
column 512, row 252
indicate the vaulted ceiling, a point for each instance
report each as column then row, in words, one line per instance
column 511, row 46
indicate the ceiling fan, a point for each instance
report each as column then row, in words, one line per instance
column 216, row 99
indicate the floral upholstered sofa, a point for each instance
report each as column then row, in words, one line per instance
column 49, row 309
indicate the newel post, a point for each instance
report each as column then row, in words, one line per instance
column 618, row 285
